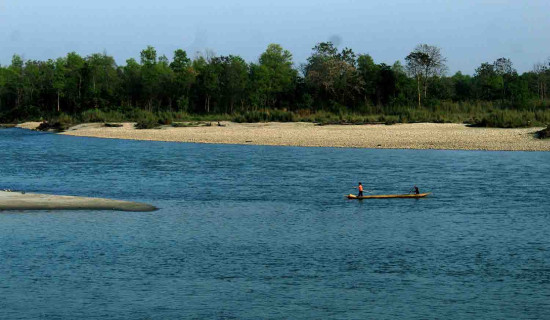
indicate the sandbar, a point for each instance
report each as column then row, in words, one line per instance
column 15, row 200
column 399, row 136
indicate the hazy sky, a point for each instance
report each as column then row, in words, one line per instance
column 469, row 32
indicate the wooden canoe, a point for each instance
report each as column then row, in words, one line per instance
column 389, row 196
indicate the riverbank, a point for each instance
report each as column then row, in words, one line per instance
column 399, row 136
column 14, row 200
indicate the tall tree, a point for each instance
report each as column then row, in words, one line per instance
column 3, row 81
column 208, row 78
column 463, row 87
column 369, row 72
column 234, row 80
column 16, row 78
column 489, row 83
column 32, row 81
column 504, row 69
column 274, row 75
column 405, row 90
column 131, row 79
column 504, row 66
column 166, row 82
column 184, row 77
column 74, row 78
column 334, row 74
column 150, row 76
column 103, row 78
column 386, row 86
column 59, row 80
column 541, row 70
column 425, row 63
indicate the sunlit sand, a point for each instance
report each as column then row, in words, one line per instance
column 398, row 136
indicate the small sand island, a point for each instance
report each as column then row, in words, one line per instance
column 13, row 200
column 399, row 136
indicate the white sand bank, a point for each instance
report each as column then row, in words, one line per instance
column 33, row 201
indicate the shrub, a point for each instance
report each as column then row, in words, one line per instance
column 323, row 117
column 544, row 133
column 506, row 119
column 139, row 114
column 265, row 116
column 96, row 115
column 252, row 116
column 146, row 124
column 113, row 125
column 165, row 118
column 239, row 118
column 281, row 116
column 180, row 116
column 147, row 120
column 93, row 115
column 60, row 123
column 44, row 126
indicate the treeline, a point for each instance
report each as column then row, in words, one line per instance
column 338, row 82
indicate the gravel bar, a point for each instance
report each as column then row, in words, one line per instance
column 399, row 136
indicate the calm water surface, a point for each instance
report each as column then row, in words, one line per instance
column 255, row 232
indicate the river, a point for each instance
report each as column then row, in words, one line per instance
column 263, row 232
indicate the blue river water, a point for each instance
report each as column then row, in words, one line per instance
column 260, row 232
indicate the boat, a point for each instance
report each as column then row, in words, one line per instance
column 389, row 196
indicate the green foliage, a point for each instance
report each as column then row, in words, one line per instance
column 334, row 75
column 334, row 86
column 265, row 116
column 64, row 121
column 183, row 103
column 96, row 115
column 93, row 115
column 281, row 116
column 272, row 77
column 252, row 116
column 165, row 118
column 506, row 119
column 59, row 123
column 147, row 121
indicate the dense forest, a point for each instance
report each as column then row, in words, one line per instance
column 332, row 86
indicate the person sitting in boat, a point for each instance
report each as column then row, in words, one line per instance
column 360, row 187
column 416, row 191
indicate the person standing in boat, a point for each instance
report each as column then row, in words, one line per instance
column 360, row 188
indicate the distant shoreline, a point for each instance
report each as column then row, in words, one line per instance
column 447, row 136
